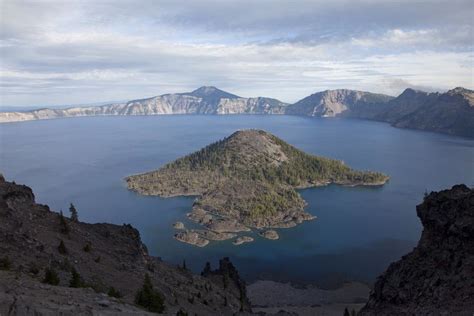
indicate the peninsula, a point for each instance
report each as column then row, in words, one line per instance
column 246, row 181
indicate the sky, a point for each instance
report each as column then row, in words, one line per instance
column 78, row 52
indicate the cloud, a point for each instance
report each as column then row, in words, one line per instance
column 61, row 52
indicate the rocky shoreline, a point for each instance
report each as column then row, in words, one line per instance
column 246, row 182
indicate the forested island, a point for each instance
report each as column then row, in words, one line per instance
column 247, row 180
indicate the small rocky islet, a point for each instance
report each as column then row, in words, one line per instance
column 246, row 181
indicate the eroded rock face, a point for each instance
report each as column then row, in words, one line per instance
column 437, row 277
column 228, row 276
column 29, row 237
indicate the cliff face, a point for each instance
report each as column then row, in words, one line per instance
column 450, row 113
column 342, row 102
column 405, row 104
column 104, row 255
column 437, row 277
column 205, row 100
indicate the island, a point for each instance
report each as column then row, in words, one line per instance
column 246, row 181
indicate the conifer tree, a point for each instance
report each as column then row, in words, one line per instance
column 62, row 248
column 74, row 216
column 149, row 298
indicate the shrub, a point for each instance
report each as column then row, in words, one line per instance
column 62, row 248
column 97, row 259
column 87, row 247
column 149, row 298
column 114, row 293
column 181, row 313
column 76, row 280
column 51, row 277
column 5, row 263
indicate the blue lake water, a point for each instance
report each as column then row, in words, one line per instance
column 359, row 231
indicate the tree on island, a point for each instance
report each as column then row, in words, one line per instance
column 73, row 211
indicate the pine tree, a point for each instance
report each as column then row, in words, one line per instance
column 51, row 277
column 62, row 248
column 76, row 280
column 346, row 312
column 353, row 312
column 5, row 263
column 73, row 211
column 184, row 264
column 149, row 298
column 114, row 293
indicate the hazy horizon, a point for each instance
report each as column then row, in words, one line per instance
column 60, row 53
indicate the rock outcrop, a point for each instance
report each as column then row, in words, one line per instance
column 228, row 277
column 449, row 113
column 341, row 102
column 437, row 277
column 34, row 239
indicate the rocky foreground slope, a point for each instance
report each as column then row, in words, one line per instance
column 94, row 258
column 437, row 277
column 244, row 181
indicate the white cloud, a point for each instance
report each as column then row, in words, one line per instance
column 81, row 52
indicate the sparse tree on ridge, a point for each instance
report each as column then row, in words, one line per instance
column 73, row 211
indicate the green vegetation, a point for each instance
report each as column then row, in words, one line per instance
column 149, row 298
column 299, row 169
column 112, row 292
column 51, row 277
column 76, row 280
column 62, row 248
column 74, row 216
column 5, row 263
column 251, row 173
column 87, row 247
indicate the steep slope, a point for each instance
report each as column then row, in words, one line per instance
column 340, row 102
column 33, row 239
column 450, row 113
column 247, row 180
column 405, row 104
column 205, row 100
column 437, row 277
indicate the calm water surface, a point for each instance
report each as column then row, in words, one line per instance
column 359, row 231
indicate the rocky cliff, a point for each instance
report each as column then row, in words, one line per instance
column 205, row 100
column 437, row 277
column 34, row 239
column 342, row 102
column 450, row 113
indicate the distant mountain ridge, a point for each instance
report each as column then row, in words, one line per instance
column 341, row 102
column 450, row 113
